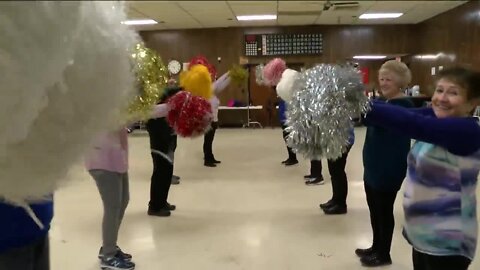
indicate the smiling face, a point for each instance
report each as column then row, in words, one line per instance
column 450, row 100
column 389, row 84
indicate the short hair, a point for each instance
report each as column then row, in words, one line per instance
column 398, row 68
column 466, row 78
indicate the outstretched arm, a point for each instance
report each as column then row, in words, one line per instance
column 221, row 83
column 160, row 110
column 459, row 135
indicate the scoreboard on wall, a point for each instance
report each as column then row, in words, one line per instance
column 283, row 44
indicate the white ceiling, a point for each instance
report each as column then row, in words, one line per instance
column 214, row 14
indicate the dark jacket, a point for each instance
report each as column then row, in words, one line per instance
column 385, row 155
column 17, row 228
column 161, row 134
column 282, row 108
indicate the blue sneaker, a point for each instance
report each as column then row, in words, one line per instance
column 120, row 254
column 116, row 264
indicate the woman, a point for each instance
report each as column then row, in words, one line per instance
column 337, row 205
column 107, row 163
column 162, row 140
column 384, row 160
column 282, row 109
column 443, row 166
column 218, row 86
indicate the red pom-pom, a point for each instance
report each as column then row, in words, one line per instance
column 202, row 60
column 272, row 72
column 189, row 115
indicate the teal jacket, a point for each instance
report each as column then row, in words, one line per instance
column 385, row 155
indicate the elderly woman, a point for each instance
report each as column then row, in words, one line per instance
column 440, row 203
column 385, row 164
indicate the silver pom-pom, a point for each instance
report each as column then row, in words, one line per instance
column 319, row 115
column 259, row 74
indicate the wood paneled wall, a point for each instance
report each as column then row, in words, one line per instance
column 340, row 43
column 455, row 33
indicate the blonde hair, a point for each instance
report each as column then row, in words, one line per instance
column 400, row 69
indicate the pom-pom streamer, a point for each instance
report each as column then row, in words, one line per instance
column 320, row 112
column 190, row 116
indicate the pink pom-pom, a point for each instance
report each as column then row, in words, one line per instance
column 190, row 116
column 272, row 72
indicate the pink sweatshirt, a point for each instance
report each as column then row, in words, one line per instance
column 109, row 150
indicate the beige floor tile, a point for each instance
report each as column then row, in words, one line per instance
column 249, row 213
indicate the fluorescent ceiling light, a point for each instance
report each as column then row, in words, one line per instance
column 427, row 56
column 369, row 57
column 256, row 17
column 139, row 22
column 369, row 16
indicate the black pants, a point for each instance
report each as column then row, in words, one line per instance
column 162, row 141
column 380, row 204
column 160, row 181
column 291, row 154
column 422, row 261
column 336, row 168
column 172, row 148
column 173, row 143
column 208, row 143
column 35, row 256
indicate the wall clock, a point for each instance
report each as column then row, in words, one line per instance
column 174, row 67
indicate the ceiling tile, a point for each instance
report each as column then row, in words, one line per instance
column 296, row 20
column 253, row 7
column 300, row 5
column 392, row 6
column 133, row 14
column 210, row 14
column 205, row 7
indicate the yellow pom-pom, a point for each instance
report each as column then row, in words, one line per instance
column 197, row 80
column 152, row 76
column 238, row 75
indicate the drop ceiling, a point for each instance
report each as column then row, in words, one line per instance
column 214, row 14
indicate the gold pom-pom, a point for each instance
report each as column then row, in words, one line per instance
column 238, row 75
column 152, row 76
column 197, row 80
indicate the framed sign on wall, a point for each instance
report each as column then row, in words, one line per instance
column 283, row 44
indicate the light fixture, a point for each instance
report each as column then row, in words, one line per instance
column 427, row 56
column 256, row 17
column 370, row 16
column 369, row 57
column 440, row 55
column 139, row 22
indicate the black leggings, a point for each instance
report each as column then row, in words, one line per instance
column 291, row 154
column 422, row 261
column 336, row 168
column 380, row 204
column 160, row 181
column 208, row 143
column 34, row 256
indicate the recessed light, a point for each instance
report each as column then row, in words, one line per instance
column 139, row 22
column 256, row 17
column 369, row 57
column 370, row 16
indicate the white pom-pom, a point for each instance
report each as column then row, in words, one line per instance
column 66, row 75
column 286, row 85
